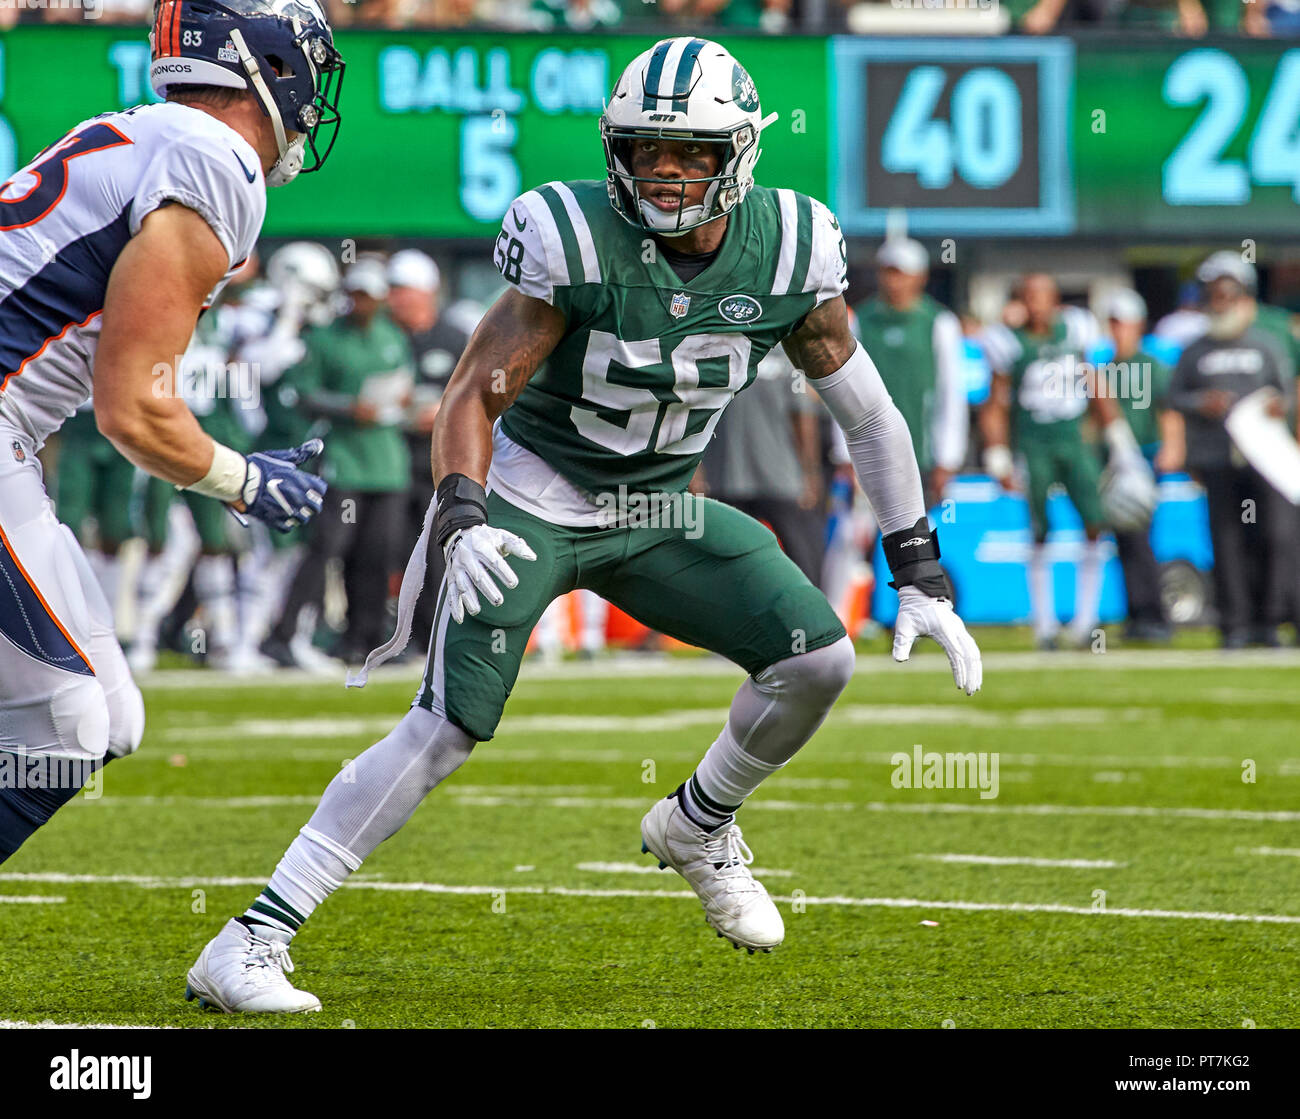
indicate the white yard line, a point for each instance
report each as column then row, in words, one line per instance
column 855, row 714
column 869, row 903
column 31, row 899
column 923, row 808
column 504, row 752
column 1017, row 860
column 633, row 666
column 1288, row 852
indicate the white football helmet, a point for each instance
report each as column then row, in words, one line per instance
column 305, row 273
column 683, row 89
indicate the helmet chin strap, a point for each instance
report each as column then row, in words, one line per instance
column 291, row 152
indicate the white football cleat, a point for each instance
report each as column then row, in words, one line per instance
column 242, row 973
column 716, row 864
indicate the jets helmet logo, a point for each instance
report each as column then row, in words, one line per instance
column 743, row 90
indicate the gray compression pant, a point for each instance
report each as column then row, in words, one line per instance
column 772, row 715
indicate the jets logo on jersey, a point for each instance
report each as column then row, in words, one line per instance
column 740, row 309
column 681, row 303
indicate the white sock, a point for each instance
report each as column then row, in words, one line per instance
column 214, row 586
column 1042, row 599
column 1087, row 591
column 312, row 868
column 724, row 778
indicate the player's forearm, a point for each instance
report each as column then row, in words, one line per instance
column 993, row 424
column 462, row 433
column 161, row 437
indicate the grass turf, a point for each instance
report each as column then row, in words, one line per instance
column 1125, row 744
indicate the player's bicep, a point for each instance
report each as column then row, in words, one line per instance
column 155, row 293
column 516, row 335
column 823, row 342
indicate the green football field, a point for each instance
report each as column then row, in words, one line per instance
column 1139, row 865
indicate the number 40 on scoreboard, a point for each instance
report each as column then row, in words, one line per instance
column 974, row 141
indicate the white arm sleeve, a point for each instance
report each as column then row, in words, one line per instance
column 951, row 414
column 878, row 441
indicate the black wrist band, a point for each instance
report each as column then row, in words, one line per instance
column 462, row 503
column 913, row 558
column 909, row 545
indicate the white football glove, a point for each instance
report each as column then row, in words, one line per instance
column 1128, row 495
column 1128, row 486
column 919, row 615
column 474, row 556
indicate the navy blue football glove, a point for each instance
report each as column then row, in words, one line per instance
column 278, row 492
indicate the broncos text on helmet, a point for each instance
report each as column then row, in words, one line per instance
column 283, row 50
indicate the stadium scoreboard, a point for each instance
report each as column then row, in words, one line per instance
column 1032, row 137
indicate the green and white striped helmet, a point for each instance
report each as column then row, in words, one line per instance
column 683, row 89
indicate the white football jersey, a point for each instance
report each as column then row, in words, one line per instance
column 67, row 215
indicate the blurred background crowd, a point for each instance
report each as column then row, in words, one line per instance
column 1192, row 18
column 359, row 351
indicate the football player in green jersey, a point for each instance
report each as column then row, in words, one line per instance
column 1035, row 408
column 917, row 344
column 570, row 429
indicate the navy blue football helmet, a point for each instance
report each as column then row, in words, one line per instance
column 283, row 50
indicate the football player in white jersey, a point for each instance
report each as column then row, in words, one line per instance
column 112, row 242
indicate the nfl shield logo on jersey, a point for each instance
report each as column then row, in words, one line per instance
column 680, row 305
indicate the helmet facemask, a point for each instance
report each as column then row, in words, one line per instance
column 304, row 103
column 724, row 191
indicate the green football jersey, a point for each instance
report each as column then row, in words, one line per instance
column 631, row 394
column 1049, row 392
column 901, row 343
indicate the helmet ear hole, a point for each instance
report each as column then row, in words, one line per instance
column 280, row 66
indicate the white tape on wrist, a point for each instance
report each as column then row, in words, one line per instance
column 225, row 478
column 997, row 460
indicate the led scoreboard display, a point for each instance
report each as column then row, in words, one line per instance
column 968, row 137
column 1172, row 139
column 1007, row 137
